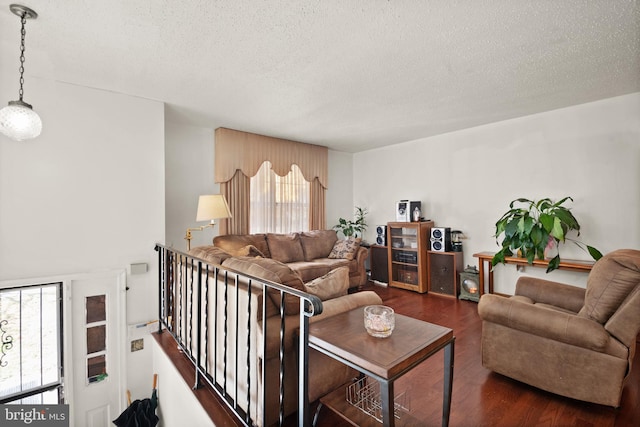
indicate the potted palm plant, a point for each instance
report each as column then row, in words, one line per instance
column 353, row 228
column 533, row 227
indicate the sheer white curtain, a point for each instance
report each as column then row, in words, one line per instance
column 279, row 204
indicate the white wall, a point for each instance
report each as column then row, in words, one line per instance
column 190, row 173
column 86, row 195
column 177, row 405
column 340, row 192
column 466, row 179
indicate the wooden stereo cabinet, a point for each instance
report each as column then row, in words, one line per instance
column 407, row 244
column 444, row 269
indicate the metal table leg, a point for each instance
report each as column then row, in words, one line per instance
column 386, row 396
column 448, row 382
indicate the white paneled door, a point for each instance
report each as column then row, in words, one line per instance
column 97, row 326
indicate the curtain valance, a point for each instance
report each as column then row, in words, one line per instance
column 247, row 151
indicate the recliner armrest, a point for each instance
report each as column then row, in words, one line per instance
column 547, row 292
column 543, row 322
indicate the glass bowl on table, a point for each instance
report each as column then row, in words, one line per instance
column 379, row 320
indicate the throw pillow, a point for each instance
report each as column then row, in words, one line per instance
column 317, row 243
column 234, row 242
column 249, row 250
column 332, row 285
column 285, row 247
column 210, row 254
column 345, row 249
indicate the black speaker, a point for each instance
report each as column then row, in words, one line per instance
column 381, row 238
column 379, row 264
column 441, row 239
column 443, row 273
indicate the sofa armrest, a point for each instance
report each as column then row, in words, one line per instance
column 553, row 293
column 329, row 308
column 543, row 322
column 345, row 303
column 361, row 278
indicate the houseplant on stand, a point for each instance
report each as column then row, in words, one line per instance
column 533, row 227
column 353, row 228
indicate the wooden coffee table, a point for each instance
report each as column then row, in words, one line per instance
column 344, row 338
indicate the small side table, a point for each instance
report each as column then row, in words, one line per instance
column 344, row 338
column 486, row 257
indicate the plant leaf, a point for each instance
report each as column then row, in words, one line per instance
column 530, row 256
column 556, row 204
column 557, row 232
column 498, row 258
column 567, row 217
column 544, row 204
column 547, row 222
column 511, row 228
column 554, row 263
column 595, row 254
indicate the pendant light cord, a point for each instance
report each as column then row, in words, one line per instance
column 23, row 32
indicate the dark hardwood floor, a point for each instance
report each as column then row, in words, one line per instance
column 480, row 397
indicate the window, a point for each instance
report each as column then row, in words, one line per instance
column 31, row 346
column 96, row 327
column 279, row 204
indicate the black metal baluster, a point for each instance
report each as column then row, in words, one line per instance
column 160, row 287
column 282, row 310
column 196, row 385
column 237, row 341
column 248, row 417
column 224, row 334
column 171, row 291
column 215, row 325
column 263, row 392
column 189, row 326
column 179, row 301
column 206, row 320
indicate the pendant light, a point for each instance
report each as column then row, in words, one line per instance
column 18, row 121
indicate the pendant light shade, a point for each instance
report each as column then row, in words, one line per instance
column 18, row 121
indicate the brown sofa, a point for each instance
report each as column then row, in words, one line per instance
column 575, row 342
column 325, row 374
column 311, row 254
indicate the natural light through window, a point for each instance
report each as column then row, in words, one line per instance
column 279, row 204
column 30, row 365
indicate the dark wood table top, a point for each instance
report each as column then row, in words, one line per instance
column 411, row 342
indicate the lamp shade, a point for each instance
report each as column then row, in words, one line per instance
column 212, row 206
column 18, row 121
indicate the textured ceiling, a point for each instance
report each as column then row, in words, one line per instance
column 348, row 74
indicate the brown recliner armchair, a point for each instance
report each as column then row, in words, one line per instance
column 575, row 342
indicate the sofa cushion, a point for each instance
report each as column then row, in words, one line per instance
column 612, row 278
column 309, row 270
column 285, row 247
column 345, row 249
column 274, row 271
column 317, row 243
column 233, row 242
column 211, row 254
column 332, row 285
